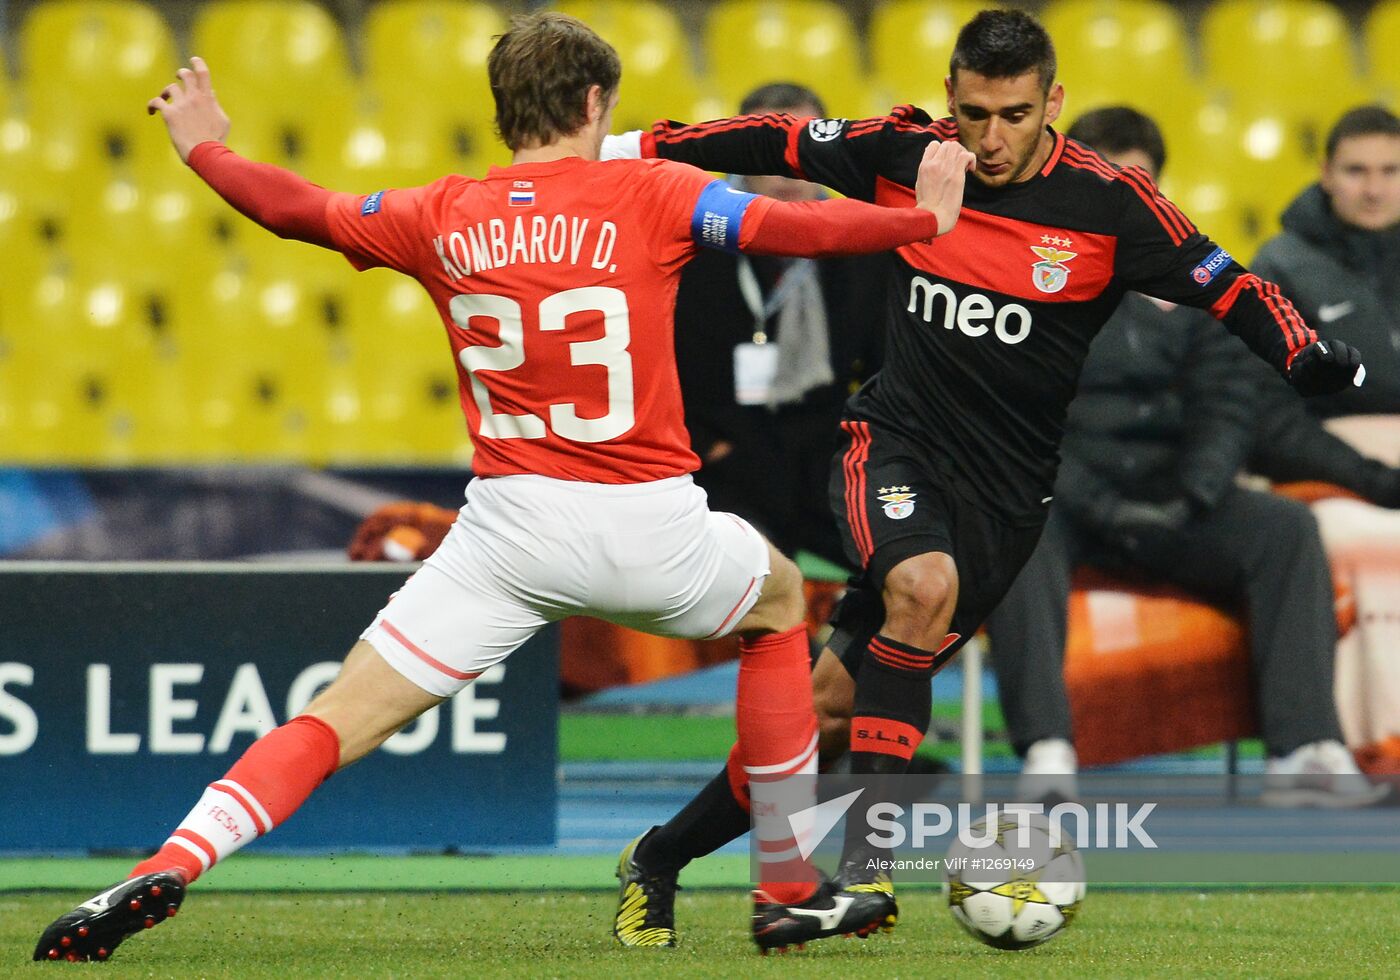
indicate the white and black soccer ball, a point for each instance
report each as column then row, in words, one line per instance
column 1014, row 893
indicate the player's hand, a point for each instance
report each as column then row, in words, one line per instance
column 942, row 176
column 1325, row 367
column 191, row 112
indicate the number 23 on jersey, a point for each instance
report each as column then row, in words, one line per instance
column 610, row 351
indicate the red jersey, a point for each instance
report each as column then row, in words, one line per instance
column 556, row 283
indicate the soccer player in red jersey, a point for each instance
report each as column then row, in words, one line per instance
column 952, row 447
column 555, row 279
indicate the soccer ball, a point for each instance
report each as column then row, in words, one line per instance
column 1013, row 893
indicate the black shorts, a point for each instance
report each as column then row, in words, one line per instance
column 891, row 505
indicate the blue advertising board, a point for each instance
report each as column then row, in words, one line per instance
column 126, row 688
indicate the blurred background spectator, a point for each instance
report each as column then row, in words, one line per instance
column 1338, row 259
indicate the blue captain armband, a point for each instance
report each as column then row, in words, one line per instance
column 719, row 212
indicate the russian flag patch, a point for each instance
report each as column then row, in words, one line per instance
column 522, row 194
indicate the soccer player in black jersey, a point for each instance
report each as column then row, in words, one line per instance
column 942, row 485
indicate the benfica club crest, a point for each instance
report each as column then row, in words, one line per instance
column 899, row 502
column 1051, row 274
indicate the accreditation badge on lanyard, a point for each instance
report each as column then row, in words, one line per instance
column 756, row 362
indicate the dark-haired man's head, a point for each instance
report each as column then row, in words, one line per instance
column 1123, row 135
column 1002, row 91
column 1361, row 173
column 796, row 100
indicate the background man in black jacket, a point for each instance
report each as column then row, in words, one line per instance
column 769, row 349
column 1338, row 259
column 1162, row 423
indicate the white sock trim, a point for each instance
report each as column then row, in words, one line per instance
column 796, row 760
column 198, row 852
column 241, row 795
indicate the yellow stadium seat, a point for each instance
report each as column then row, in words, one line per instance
column 1294, row 52
column 1382, row 45
column 1251, row 160
column 1176, row 114
column 273, row 56
column 90, row 66
column 27, row 246
column 82, row 365
column 425, row 64
column 95, row 58
column 405, row 375
column 432, row 52
column 812, row 42
column 1124, row 50
column 910, row 44
column 290, row 137
column 658, row 78
column 391, row 149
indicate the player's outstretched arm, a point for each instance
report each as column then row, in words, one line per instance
column 282, row 202
column 822, row 229
column 1163, row 254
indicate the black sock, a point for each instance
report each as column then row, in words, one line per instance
column 708, row 822
column 893, row 701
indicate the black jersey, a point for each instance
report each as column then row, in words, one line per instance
column 988, row 326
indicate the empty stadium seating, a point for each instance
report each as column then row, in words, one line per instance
column 273, row 353
column 1295, row 54
column 1382, row 45
column 96, row 58
column 910, row 43
column 813, row 42
column 89, row 66
column 658, row 76
column 1107, row 48
column 432, row 51
column 425, row 69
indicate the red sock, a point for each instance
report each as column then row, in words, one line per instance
column 264, row 787
column 777, row 740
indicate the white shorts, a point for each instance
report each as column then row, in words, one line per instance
column 530, row 550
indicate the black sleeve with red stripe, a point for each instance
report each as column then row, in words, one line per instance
column 843, row 154
column 1161, row 253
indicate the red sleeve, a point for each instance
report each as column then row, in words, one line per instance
column 823, row 229
column 381, row 229
column 284, row 203
column 672, row 190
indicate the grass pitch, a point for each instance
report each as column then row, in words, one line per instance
column 1278, row 932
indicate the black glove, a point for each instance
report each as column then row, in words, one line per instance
column 1131, row 524
column 1325, row 367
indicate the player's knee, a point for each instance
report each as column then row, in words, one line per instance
column 920, row 595
column 781, row 605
